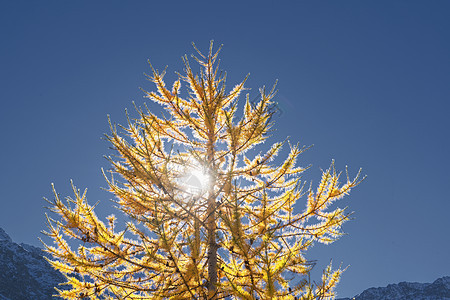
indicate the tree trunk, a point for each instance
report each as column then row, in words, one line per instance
column 211, row 219
column 212, row 249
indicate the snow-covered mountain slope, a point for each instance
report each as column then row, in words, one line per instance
column 438, row 290
column 24, row 273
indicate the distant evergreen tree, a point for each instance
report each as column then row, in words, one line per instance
column 222, row 224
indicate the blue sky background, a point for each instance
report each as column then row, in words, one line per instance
column 366, row 82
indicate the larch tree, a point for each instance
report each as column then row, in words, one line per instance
column 208, row 219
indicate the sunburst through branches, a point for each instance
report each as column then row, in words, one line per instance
column 208, row 218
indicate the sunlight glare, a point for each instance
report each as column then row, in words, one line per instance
column 194, row 179
column 202, row 178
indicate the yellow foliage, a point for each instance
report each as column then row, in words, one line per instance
column 234, row 233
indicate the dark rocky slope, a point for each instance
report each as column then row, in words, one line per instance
column 438, row 290
column 24, row 273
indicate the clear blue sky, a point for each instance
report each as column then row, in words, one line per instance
column 366, row 82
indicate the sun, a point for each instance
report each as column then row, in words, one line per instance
column 196, row 179
column 193, row 177
column 200, row 178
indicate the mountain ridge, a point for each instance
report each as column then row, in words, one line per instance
column 437, row 290
column 24, row 272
